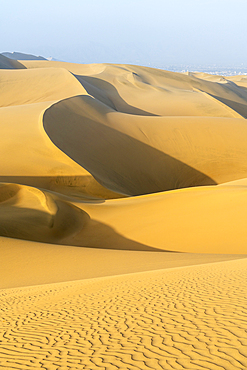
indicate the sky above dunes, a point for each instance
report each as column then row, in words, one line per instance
column 153, row 33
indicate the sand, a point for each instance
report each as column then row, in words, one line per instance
column 123, row 196
column 179, row 318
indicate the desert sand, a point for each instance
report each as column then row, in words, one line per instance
column 123, row 197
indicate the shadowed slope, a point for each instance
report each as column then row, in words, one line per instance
column 108, row 95
column 32, row 214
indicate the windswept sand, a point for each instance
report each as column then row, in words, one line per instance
column 182, row 318
column 123, row 197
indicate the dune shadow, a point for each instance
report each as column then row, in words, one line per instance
column 238, row 92
column 107, row 94
column 101, row 236
column 117, row 161
column 59, row 222
column 28, row 224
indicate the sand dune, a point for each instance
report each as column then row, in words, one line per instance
column 122, row 170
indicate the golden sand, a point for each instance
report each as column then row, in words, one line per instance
column 123, row 197
column 182, row 318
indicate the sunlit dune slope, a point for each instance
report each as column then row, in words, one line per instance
column 40, row 85
column 203, row 219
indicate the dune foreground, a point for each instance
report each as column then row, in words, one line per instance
column 181, row 318
column 123, row 197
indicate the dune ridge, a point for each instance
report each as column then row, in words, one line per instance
column 123, row 199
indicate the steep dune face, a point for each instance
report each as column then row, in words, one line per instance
column 89, row 133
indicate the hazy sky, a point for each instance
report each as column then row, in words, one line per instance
column 155, row 33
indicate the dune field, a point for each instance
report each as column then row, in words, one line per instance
column 123, row 198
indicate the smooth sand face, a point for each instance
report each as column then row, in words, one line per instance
column 114, row 169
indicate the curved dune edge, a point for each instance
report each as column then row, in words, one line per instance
column 31, row 214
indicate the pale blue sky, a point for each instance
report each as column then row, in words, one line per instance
column 155, row 33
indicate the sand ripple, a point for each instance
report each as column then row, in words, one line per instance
column 186, row 318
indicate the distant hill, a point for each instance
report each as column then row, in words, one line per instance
column 21, row 56
column 7, row 63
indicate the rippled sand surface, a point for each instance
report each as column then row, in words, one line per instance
column 123, row 195
column 179, row 318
